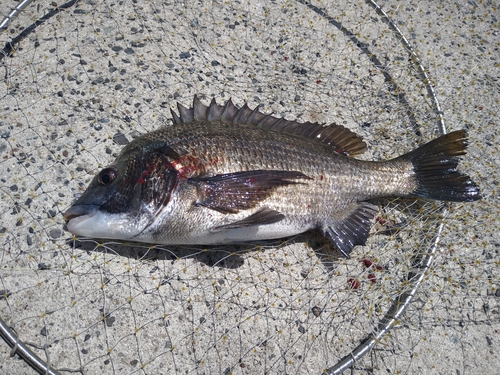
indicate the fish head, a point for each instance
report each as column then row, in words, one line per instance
column 124, row 198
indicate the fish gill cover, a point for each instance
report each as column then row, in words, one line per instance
column 91, row 77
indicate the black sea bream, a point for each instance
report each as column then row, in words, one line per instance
column 223, row 175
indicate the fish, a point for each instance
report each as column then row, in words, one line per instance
column 222, row 174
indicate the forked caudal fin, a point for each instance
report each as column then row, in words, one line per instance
column 435, row 166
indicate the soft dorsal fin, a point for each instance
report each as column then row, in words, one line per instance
column 338, row 137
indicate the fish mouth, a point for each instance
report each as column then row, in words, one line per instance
column 78, row 214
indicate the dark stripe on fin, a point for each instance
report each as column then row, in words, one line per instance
column 232, row 192
column 435, row 166
column 264, row 216
column 338, row 137
column 353, row 230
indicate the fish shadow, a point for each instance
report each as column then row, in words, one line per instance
column 222, row 256
column 231, row 256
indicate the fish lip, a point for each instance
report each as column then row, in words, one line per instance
column 80, row 210
column 78, row 214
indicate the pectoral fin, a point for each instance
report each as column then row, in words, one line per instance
column 352, row 230
column 262, row 217
column 232, row 192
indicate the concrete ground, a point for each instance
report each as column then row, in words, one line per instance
column 93, row 75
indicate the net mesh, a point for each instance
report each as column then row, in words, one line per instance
column 95, row 74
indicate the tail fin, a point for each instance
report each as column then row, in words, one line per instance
column 435, row 166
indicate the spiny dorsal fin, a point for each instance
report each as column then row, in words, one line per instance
column 338, row 137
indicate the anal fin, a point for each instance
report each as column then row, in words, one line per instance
column 352, row 230
column 264, row 216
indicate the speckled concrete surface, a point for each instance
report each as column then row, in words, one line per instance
column 96, row 74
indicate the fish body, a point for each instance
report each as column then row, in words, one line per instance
column 223, row 175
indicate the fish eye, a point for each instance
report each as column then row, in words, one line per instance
column 106, row 176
